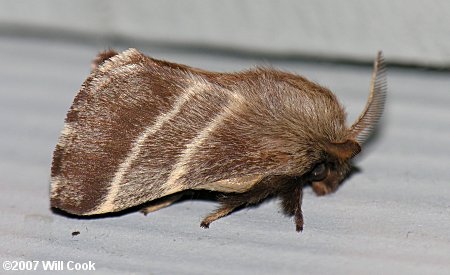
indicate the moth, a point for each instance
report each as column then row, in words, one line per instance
column 144, row 130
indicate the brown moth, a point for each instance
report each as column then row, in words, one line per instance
column 142, row 129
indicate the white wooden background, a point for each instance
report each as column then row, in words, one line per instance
column 393, row 217
column 409, row 31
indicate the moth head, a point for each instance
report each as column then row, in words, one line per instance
column 326, row 175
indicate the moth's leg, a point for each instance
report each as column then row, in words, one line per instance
column 298, row 216
column 228, row 205
column 230, row 202
column 219, row 213
column 292, row 204
column 161, row 203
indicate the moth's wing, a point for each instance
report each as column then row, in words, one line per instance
column 142, row 129
column 125, row 131
column 102, row 57
column 232, row 185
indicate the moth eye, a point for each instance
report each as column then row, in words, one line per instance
column 319, row 172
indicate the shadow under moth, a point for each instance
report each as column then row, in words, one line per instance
column 142, row 129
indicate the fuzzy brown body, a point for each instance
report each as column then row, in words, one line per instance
column 142, row 129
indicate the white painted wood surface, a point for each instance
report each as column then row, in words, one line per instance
column 393, row 217
column 413, row 32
